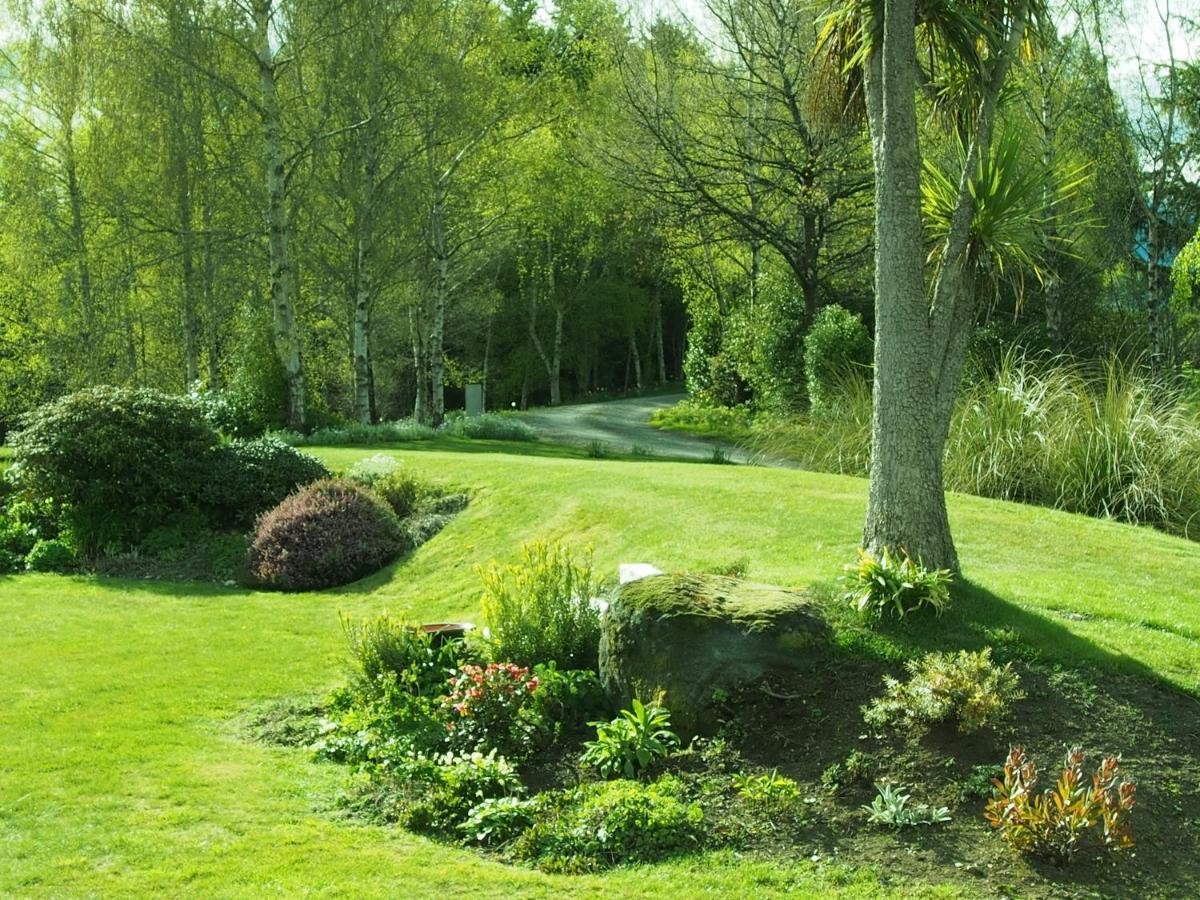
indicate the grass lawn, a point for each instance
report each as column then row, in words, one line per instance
column 125, row 771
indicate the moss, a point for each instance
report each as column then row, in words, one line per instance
column 752, row 607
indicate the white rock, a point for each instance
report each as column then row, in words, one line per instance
column 637, row 571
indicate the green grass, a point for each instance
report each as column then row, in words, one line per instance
column 124, row 773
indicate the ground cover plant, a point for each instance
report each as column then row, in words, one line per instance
column 1095, row 651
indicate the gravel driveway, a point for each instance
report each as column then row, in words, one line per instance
column 621, row 425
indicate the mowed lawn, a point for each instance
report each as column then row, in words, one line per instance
column 124, row 770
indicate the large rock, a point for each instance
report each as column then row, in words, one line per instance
column 681, row 639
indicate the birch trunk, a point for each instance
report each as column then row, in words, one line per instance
column 283, row 315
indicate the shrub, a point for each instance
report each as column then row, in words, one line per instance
column 10, row 562
column 541, row 610
column 371, row 469
column 329, row 533
column 613, row 822
column 489, row 427
column 964, row 687
column 630, row 743
column 384, row 648
column 836, row 345
column 1058, row 823
column 249, row 477
column 499, row 820
column 120, row 461
column 54, row 555
column 897, row 584
column 489, row 708
column 379, row 726
column 187, row 548
column 569, row 697
column 401, row 490
column 891, row 807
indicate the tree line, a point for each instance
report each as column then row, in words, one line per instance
column 348, row 209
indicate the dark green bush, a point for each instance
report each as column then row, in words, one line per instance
column 837, row 347
column 10, row 562
column 53, row 555
column 249, row 477
column 613, row 822
column 329, row 533
column 119, row 461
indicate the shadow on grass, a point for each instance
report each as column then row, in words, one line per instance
column 978, row 618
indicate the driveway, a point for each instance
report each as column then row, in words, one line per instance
column 621, row 425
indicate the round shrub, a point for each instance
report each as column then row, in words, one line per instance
column 329, row 533
column 251, row 476
column 400, row 490
column 837, row 345
column 118, row 460
column 50, row 556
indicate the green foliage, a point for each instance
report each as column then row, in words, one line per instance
column 119, row 461
column 892, row 807
column 187, row 548
column 437, row 794
column 51, row 555
column 762, row 341
column 249, row 477
column 401, row 490
column 632, row 742
column 370, row 469
column 695, row 417
column 964, row 687
column 609, row 823
column 767, row 789
column 568, row 697
column 541, row 609
column 858, row 768
column 837, row 346
column 499, row 820
column 329, row 533
column 979, row 783
column 359, row 435
column 895, row 584
column 1057, row 824
column 489, row 427
column 383, row 648
column 492, row 708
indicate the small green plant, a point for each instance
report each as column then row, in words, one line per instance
column 370, row 469
column 768, row 788
column 641, row 450
column 1058, row 823
column 630, row 743
column 53, row 555
column 964, row 687
column 858, row 767
column 612, row 822
column 736, row 568
column 541, row 609
column 499, row 820
column 892, row 807
column 456, row 785
column 895, row 584
column 979, row 783
column 597, row 450
column 386, row 647
column 720, row 457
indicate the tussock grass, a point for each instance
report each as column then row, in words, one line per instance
column 1104, row 440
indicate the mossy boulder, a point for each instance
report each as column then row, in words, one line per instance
column 684, row 639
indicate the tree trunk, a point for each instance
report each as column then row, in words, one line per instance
column 360, row 332
column 1051, row 288
column 906, row 506
column 83, row 268
column 659, row 350
column 416, row 329
column 637, row 361
column 283, row 316
column 556, row 359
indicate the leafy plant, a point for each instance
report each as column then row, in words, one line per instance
column 964, row 687
column 492, row 426
column 767, row 788
column 858, row 767
column 541, row 609
column 630, row 743
column 499, row 820
column 837, row 344
column 371, row 469
column 248, row 477
column 1058, row 823
column 891, row 807
column 895, row 584
column 386, row 647
column 489, row 708
column 53, row 555
column 612, row 822
column 329, row 533
column 454, row 786
column 401, row 490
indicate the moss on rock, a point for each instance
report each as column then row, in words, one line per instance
column 683, row 639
